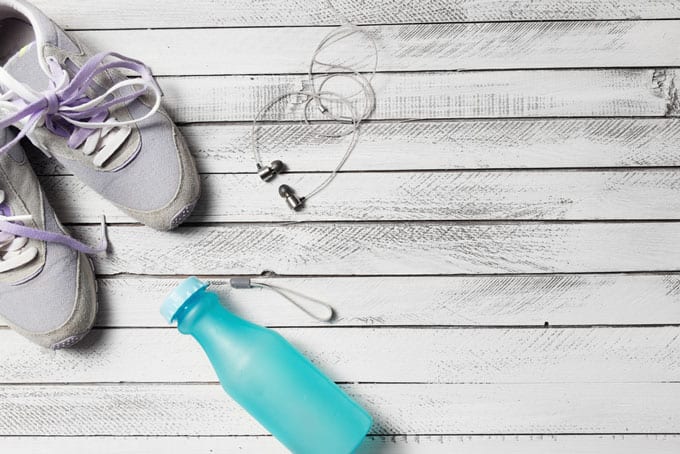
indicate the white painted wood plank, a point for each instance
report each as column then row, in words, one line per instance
column 370, row 355
column 463, row 144
column 189, row 445
column 417, row 301
column 517, row 195
column 398, row 409
column 385, row 248
column 426, row 145
column 211, row 13
column 396, row 444
column 495, row 94
column 523, row 300
column 438, row 409
column 427, row 47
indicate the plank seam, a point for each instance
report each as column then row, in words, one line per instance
column 377, row 24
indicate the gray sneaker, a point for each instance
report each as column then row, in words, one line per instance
column 47, row 285
column 103, row 125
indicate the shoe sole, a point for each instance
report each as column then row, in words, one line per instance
column 69, row 341
column 182, row 215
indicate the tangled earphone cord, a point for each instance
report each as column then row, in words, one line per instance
column 320, row 97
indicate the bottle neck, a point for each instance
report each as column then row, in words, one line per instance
column 200, row 306
column 215, row 328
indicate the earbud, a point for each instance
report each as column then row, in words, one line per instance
column 268, row 173
column 293, row 201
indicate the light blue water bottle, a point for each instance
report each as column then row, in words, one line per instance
column 268, row 377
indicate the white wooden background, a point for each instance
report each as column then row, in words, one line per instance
column 505, row 270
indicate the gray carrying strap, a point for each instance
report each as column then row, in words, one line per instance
column 316, row 309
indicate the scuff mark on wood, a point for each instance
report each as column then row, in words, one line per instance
column 665, row 87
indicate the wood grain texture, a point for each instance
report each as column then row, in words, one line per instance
column 440, row 95
column 116, row 14
column 445, row 351
column 386, row 248
column 429, row 145
column 425, row 47
column 399, row 444
column 516, row 300
column 421, row 301
column 153, row 409
column 371, row 355
column 518, row 195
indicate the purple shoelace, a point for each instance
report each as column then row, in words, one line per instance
column 67, row 111
column 8, row 228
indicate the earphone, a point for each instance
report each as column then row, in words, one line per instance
column 293, row 201
column 321, row 98
column 268, row 173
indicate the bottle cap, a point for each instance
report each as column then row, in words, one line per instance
column 181, row 295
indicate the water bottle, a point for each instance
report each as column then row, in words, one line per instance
column 268, row 377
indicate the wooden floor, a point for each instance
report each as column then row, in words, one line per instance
column 505, row 269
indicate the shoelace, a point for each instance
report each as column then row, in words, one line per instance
column 15, row 251
column 67, row 111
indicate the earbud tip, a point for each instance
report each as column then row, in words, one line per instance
column 285, row 190
column 277, row 166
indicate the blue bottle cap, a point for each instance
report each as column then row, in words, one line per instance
column 181, row 295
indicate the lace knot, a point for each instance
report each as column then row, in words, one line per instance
column 68, row 110
column 53, row 103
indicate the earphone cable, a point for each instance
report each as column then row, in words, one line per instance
column 321, row 97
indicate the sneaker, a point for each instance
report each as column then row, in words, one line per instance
column 104, row 126
column 47, row 285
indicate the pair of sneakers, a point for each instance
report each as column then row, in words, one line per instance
column 100, row 117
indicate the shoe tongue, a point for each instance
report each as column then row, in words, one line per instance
column 25, row 67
